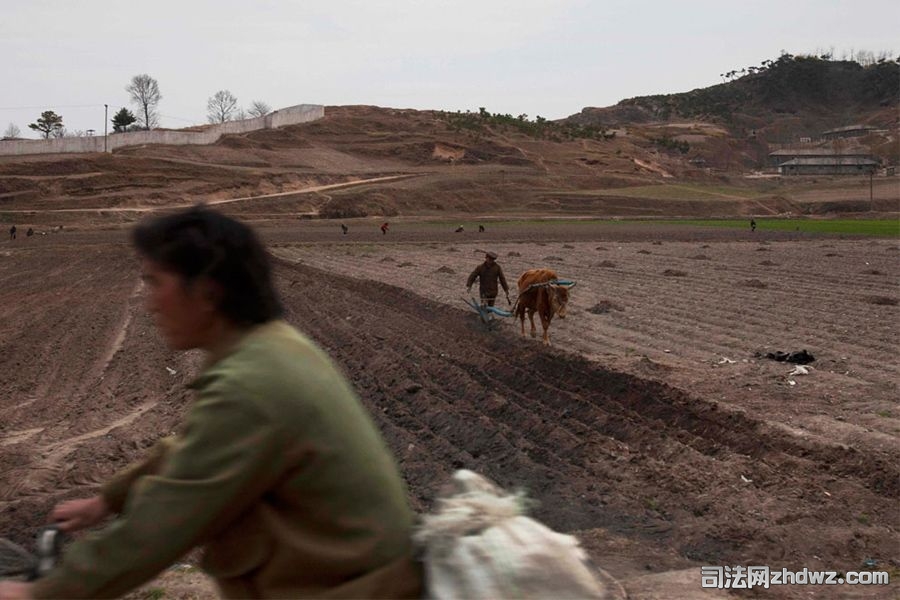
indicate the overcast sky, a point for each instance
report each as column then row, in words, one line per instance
column 539, row 57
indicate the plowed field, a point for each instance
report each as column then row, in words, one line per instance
column 651, row 427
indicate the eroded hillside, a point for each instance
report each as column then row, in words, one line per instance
column 368, row 161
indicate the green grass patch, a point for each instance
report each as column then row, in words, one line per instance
column 471, row 224
column 874, row 227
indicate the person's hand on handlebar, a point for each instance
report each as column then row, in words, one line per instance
column 75, row 515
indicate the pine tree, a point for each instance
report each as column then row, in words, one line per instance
column 122, row 119
column 48, row 123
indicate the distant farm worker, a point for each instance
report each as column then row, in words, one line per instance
column 30, row 232
column 460, row 229
column 384, row 228
column 488, row 274
column 278, row 472
column 12, row 232
column 481, row 229
column 752, row 224
column 344, row 228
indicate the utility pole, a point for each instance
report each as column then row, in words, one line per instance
column 105, row 125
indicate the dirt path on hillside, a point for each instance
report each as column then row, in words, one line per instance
column 148, row 209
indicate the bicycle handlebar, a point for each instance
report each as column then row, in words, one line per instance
column 16, row 561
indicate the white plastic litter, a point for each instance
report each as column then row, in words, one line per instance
column 799, row 370
column 171, row 370
column 726, row 361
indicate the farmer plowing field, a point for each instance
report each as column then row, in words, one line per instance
column 488, row 274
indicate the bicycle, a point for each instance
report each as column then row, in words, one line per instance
column 18, row 563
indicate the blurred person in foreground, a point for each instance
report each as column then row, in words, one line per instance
column 278, row 472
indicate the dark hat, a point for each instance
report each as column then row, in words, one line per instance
column 492, row 255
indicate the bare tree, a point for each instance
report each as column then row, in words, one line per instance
column 239, row 114
column 144, row 91
column 221, row 107
column 259, row 109
column 12, row 131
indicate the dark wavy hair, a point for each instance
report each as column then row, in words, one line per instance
column 199, row 242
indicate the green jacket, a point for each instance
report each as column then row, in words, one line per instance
column 278, row 473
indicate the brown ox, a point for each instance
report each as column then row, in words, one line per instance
column 539, row 293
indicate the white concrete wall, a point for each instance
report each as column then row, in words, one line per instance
column 302, row 113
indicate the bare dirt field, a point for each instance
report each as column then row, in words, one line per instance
column 654, row 428
column 651, row 428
